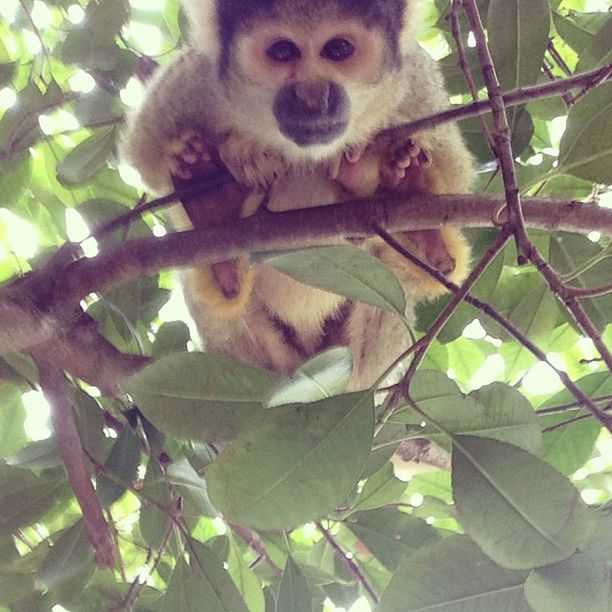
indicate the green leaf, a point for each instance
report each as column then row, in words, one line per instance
column 380, row 489
column 38, row 455
column 201, row 395
column 87, row 158
column 171, row 337
column 193, row 487
column 201, row 585
column 325, row 375
column 297, row 465
column 536, row 315
column 122, row 463
column 569, row 448
column 453, row 575
column 520, row 511
column 293, row 591
column 12, row 416
column 586, row 146
column 440, row 398
column 245, row 580
column 15, row 174
column 582, row 582
column 390, row 535
column 24, row 498
column 70, row 553
column 153, row 522
column 347, row 271
column 518, row 34
column 508, row 417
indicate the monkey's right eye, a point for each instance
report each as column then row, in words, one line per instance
column 283, row 51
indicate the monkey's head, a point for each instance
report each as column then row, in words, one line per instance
column 305, row 75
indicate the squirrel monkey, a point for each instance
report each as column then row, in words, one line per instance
column 291, row 96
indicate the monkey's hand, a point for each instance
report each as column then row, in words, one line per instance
column 403, row 165
column 189, row 155
column 251, row 163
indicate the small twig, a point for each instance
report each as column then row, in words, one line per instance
column 588, row 292
column 561, row 408
column 253, row 541
column 516, row 97
column 53, row 384
column 352, row 567
column 550, row 47
column 465, row 68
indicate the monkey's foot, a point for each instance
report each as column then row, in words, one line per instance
column 431, row 247
column 251, row 163
column 188, row 155
column 404, row 162
column 224, row 287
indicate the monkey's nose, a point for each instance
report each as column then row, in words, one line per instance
column 312, row 96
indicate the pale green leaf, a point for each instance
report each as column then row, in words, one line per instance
column 296, row 465
column 347, row 271
column 520, row 511
column 293, row 592
column 582, row 582
column 201, row 395
column 453, row 575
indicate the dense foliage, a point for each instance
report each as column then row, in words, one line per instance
column 301, row 509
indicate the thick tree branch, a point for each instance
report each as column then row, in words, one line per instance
column 53, row 384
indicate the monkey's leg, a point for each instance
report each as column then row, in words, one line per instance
column 223, row 287
column 413, row 167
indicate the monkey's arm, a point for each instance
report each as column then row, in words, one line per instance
column 182, row 98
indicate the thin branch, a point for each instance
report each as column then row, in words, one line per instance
column 253, row 541
column 561, row 408
column 516, row 97
column 352, row 567
column 53, row 384
column 465, row 68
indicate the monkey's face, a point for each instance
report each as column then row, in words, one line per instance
column 313, row 77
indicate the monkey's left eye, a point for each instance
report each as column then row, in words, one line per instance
column 283, row 51
column 337, row 49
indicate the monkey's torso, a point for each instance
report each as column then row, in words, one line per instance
column 281, row 322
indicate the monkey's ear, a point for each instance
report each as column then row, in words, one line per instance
column 204, row 32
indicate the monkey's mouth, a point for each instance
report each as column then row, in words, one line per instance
column 306, row 134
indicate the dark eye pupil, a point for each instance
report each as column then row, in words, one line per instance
column 283, row 51
column 337, row 49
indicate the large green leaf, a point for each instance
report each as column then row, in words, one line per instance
column 70, row 553
column 24, row 497
column 453, row 575
column 390, row 535
column 586, row 146
column 346, row 271
column 438, row 397
column 518, row 33
column 582, row 582
column 520, row 511
column 296, row 465
column 201, row 395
